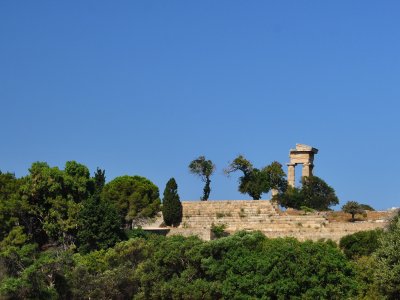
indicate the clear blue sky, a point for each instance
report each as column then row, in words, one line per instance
column 144, row 87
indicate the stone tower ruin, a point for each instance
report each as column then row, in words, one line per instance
column 303, row 154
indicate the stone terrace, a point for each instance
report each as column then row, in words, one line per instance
column 262, row 215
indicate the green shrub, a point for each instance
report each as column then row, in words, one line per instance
column 361, row 243
column 218, row 230
column 307, row 209
column 136, row 233
column 367, row 207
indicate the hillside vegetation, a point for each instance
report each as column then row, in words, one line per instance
column 67, row 235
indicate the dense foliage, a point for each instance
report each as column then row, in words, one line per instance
column 61, row 238
column 204, row 168
column 314, row 193
column 245, row 265
column 255, row 181
column 135, row 198
column 172, row 206
column 51, row 208
column 388, row 261
column 362, row 243
column 100, row 225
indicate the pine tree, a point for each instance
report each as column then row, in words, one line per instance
column 172, row 206
column 99, row 180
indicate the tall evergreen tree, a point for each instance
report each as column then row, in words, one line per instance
column 99, row 180
column 172, row 206
column 99, row 225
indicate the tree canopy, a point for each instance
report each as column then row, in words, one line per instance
column 315, row 193
column 134, row 197
column 254, row 181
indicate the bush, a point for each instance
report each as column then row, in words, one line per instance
column 218, row 230
column 136, row 233
column 362, row 243
column 367, row 207
column 307, row 209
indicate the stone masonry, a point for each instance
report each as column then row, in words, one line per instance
column 304, row 155
column 264, row 216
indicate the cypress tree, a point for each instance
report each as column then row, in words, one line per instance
column 172, row 206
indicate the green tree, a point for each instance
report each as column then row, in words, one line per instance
column 203, row 168
column 99, row 180
column 42, row 279
column 108, row 274
column 353, row 208
column 365, row 267
column 99, row 225
column 276, row 177
column 315, row 193
column 10, row 203
column 16, row 253
column 388, row 262
column 172, row 206
column 134, row 197
column 254, row 181
column 77, row 184
column 52, row 200
column 292, row 198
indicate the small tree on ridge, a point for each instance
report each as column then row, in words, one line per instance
column 203, row 168
column 353, row 208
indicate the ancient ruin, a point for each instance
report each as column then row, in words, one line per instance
column 303, row 154
column 266, row 216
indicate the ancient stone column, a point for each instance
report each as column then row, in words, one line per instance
column 306, row 171
column 291, row 175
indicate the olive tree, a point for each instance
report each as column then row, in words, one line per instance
column 353, row 208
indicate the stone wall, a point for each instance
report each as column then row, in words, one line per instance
column 202, row 233
column 262, row 215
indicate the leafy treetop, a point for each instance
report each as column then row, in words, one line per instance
column 254, row 181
